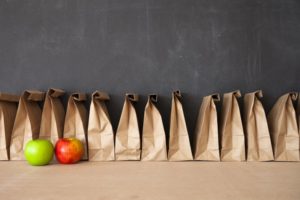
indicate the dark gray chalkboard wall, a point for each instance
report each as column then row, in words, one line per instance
column 143, row 46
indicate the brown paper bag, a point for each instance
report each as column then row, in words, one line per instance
column 100, row 131
column 128, row 145
column 259, row 147
column 207, row 136
column 76, row 120
column 232, row 133
column 179, row 142
column 53, row 116
column 283, row 128
column 8, row 110
column 154, row 146
column 27, row 123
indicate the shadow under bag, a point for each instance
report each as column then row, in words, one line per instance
column 259, row 147
column 283, row 128
column 27, row 123
column 128, row 145
column 100, row 131
column 207, row 136
column 232, row 133
column 76, row 120
column 8, row 110
column 179, row 142
column 154, row 147
column 53, row 116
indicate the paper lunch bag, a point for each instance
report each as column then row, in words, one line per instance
column 100, row 131
column 76, row 120
column 179, row 142
column 128, row 145
column 283, row 128
column 53, row 116
column 154, row 147
column 207, row 136
column 232, row 133
column 259, row 147
column 8, row 110
column 27, row 123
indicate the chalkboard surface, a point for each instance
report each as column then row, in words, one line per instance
column 147, row 46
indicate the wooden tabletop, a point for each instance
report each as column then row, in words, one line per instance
column 151, row 180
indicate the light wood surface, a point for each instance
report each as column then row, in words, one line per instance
column 151, row 180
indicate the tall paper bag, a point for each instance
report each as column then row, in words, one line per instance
column 207, row 136
column 283, row 128
column 128, row 145
column 53, row 116
column 76, row 120
column 259, row 147
column 179, row 142
column 100, row 131
column 232, row 133
column 27, row 123
column 8, row 110
column 154, row 146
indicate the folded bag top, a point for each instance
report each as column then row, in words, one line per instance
column 132, row 97
column 79, row 96
column 153, row 98
column 9, row 97
column 33, row 95
column 101, row 96
column 216, row 97
column 55, row 92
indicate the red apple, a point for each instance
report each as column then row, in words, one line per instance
column 68, row 150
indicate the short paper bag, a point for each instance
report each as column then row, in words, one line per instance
column 179, row 142
column 8, row 110
column 232, row 133
column 207, row 136
column 259, row 147
column 76, row 120
column 283, row 128
column 100, row 131
column 53, row 116
column 128, row 145
column 154, row 136
column 27, row 123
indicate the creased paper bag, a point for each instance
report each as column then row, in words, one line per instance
column 207, row 136
column 283, row 128
column 259, row 147
column 8, row 110
column 76, row 120
column 154, row 146
column 128, row 145
column 27, row 123
column 100, row 131
column 53, row 116
column 179, row 142
column 232, row 133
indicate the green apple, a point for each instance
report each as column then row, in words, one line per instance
column 39, row 152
